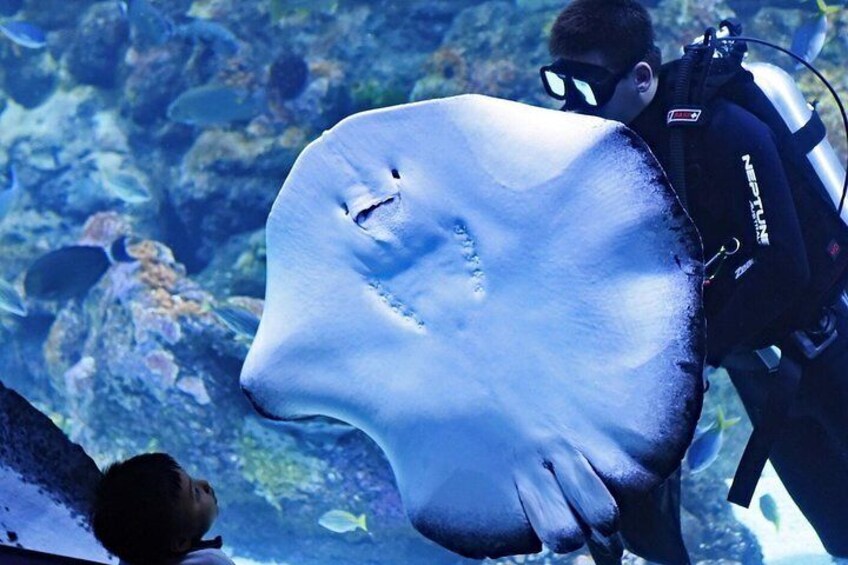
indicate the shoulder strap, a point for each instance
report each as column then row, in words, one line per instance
column 699, row 77
column 782, row 391
column 681, row 114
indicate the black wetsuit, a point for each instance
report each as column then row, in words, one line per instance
column 742, row 191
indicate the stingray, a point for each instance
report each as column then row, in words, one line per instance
column 506, row 299
column 46, row 488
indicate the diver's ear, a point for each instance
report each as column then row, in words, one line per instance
column 643, row 76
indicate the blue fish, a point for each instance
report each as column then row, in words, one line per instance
column 707, row 444
column 212, row 104
column 8, row 196
column 242, row 321
column 218, row 37
column 278, row 8
column 10, row 300
column 149, row 26
column 69, row 272
column 809, row 39
column 769, row 509
column 24, row 34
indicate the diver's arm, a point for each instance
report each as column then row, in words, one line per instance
column 743, row 155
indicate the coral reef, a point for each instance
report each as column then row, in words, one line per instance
column 292, row 477
column 155, row 79
column 98, row 49
column 481, row 55
column 227, row 184
column 28, row 77
column 287, row 78
column 238, row 267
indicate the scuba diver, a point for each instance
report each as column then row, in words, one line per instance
column 768, row 207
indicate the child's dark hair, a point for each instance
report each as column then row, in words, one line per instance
column 134, row 507
column 621, row 30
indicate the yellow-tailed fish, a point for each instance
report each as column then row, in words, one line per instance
column 341, row 521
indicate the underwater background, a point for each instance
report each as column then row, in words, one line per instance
column 169, row 126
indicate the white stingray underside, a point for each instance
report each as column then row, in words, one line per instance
column 505, row 298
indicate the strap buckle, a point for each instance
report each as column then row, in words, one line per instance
column 769, row 357
column 814, row 341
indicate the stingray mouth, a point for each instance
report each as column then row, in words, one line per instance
column 361, row 218
column 259, row 408
column 374, row 214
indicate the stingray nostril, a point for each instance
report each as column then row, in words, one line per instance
column 395, row 174
column 346, row 209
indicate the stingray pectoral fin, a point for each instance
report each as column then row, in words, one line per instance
column 606, row 550
column 548, row 512
column 585, row 492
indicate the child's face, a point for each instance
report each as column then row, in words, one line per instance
column 196, row 510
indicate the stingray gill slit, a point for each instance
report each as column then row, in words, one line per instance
column 398, row 308
column 468, row 247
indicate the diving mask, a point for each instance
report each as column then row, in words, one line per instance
column 583, row 86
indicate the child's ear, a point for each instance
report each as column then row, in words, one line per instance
column 180, row 544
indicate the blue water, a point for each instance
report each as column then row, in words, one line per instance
column 174, row 123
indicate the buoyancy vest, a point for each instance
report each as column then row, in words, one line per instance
column 699, row 79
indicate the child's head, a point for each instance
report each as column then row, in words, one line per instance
column 148, row 509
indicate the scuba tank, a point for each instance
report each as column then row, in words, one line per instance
column 783, row 93
column 725, row 50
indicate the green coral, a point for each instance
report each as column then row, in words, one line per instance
column 279, row 472
column 376, row 94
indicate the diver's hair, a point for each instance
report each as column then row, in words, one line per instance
column 134, row 508
column 621, row 30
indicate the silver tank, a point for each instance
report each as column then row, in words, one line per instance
column 781, row 89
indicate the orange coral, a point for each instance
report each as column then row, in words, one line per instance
column 158, row 275
column 449, row 63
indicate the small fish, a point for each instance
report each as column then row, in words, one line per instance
column 278, row 8
column 125, row 186
column 8, row 196
column 24, row 34
column 71, row 271
column 707, row 443
column 809, row 39
column 825, row 9
column 211, row 105
column 148, row 25
column 221, row 39
column 341, row 521
column 769, row 509
column 240, row 320
column 10, row 300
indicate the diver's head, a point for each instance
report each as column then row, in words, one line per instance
column 606, row 61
